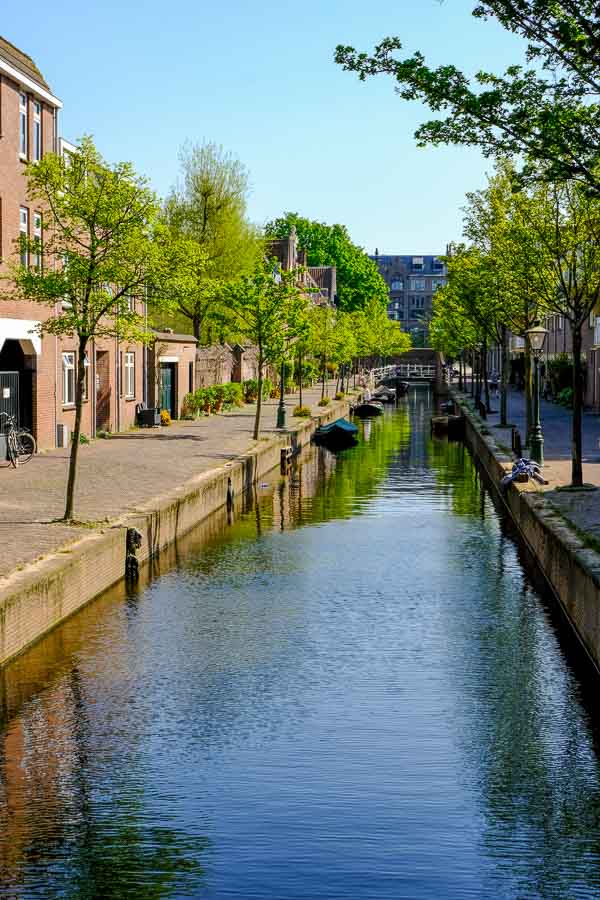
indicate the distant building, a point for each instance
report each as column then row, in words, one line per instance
column 412, row 281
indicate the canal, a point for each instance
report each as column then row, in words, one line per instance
column 353, row 690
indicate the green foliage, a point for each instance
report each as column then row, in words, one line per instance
column 207, row 214
column 560, row 372
column 301, row 411
column 339, row 396
column 214, row 398
column 548, row 114
column 565, row 397
column 358, row 279
column 99, row 254
column 324, row 401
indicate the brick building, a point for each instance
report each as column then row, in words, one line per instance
column 412, row 281
column 37, row 372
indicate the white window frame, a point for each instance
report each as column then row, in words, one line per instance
column 37, row 130
column 23, row 125
column 68, row 371
column 24, row 230
column 418, row 284
column 129, row 372
column 85, row 390
column 37, row 234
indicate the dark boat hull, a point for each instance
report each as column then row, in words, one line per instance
column 367, row 410
column 337, row 435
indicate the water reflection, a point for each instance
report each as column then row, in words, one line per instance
column 348, row 689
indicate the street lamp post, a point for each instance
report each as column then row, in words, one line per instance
column 281, row 411
column 537, row 338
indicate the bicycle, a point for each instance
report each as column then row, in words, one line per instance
column 20, row 443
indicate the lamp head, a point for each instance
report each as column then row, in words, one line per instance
column 537, row 338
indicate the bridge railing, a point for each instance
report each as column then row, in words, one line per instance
column 405, row 370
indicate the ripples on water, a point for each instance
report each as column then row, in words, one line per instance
column 351, row 692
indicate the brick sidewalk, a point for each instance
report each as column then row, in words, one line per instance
column 581, row 508
column 117, row 475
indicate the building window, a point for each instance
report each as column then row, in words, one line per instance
column 130, row 375
column 397, row 285
column 23, row 125
column 37, row 236
column 86, row 363
column 68, row 366
column 417, row 263
column 24, row 234
column 437, row 283
column 418, row 284
column 37, row 131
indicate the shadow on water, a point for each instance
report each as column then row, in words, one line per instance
column 353, row 684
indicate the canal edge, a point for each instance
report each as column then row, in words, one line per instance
column 571, row 569
column 37, row 598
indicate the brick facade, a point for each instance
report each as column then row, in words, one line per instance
column 115, row 381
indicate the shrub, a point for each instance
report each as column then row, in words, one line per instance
column 189, row 408
column 250, row 388
column 565, row 397
column 339, row 396
column 165, row 417
column 324, row 402
column 302, row 411
column 234, row 395
column 83, row 438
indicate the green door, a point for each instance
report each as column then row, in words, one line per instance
column 167, row 388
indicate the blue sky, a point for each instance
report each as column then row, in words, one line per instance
column 145, row 76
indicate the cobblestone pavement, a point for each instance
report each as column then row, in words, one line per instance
column 581, row 508
column 118, row 475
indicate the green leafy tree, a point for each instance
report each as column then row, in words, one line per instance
column 547, row 113
column 181, row 280
column 97, row 255
column 268, row 308
column 566, row 220
column 208, row 207
column 358, row 279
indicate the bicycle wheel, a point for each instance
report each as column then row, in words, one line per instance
column 25, row 446
column 13, row 455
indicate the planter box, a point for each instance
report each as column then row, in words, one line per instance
column 148, row 418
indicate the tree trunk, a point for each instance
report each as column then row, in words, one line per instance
column 460, row 372
column 300, row 379
column 486, row 384
column 259, row 397
column 576, row 452
column 197, row 326
column 472, row 373
column 528, row 392
column 504, row 378
column 72, row 477
column 324, row 374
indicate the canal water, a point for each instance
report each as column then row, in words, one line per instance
column 353, row 690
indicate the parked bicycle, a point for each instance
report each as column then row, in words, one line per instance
column 20, row 443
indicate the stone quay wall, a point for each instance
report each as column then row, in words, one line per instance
column 571, row 569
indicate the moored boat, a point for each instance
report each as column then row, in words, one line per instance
column 368, row 409
column 337, row 435
column 385, row 395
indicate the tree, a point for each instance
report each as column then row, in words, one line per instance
column 548, row 114
column 497, row 222
column 358, row 279
column 181, row 280
column 322, row 338
column 97, row 255
column 566, row 219
column 267, row 307
column 209, row 208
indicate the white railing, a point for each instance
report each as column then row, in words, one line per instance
column 405, row 370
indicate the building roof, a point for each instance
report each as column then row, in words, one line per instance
column 167, row 336
column 22, row 62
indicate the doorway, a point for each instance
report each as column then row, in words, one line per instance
column 102, row 391
column 167, row 388
column 16, row 383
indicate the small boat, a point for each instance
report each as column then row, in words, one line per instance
column 337, row 435
column 385, row 395
column 368, row 409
